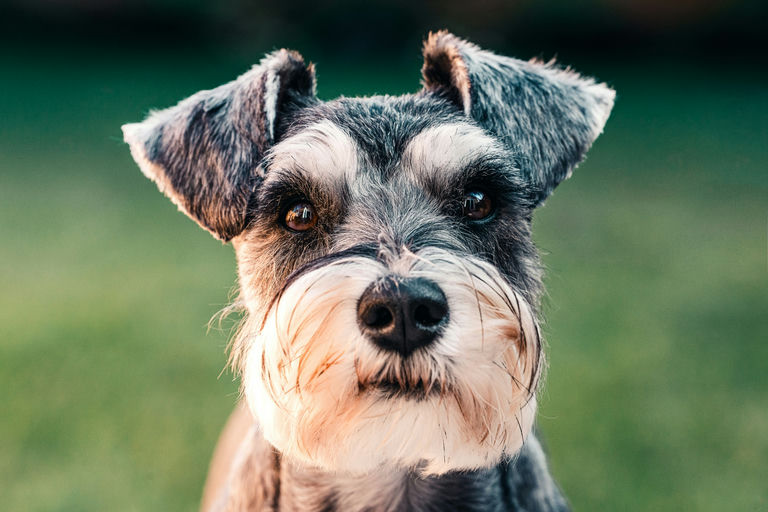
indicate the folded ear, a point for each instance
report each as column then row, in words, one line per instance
column 548, row 116
column 204, row 152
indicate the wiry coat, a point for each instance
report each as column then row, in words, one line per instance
column 338, row 423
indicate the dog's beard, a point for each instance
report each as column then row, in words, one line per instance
column 327, row 396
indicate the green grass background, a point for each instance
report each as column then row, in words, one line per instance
column 657, row 314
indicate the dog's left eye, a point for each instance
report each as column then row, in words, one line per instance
column 476, row 205
column 300, row 216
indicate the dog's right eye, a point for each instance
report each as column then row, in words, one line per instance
column 300, row 216
column 476, row 205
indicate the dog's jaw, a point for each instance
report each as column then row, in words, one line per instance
column 310, row 377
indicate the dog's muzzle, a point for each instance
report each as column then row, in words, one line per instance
column 427, row 361
column 402, row 315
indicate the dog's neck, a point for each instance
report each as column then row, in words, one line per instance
column 264, row 481
column 390, row 490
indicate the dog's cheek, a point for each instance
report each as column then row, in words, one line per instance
column 257, row 251
column 300, row 377
column 259, row 390
column 493, row 344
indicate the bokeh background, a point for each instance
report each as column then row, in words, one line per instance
column 111, row 389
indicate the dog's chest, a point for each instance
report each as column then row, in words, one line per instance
column 390, row 492
column 264, row 481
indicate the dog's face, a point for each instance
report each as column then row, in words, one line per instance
column 384, row 247
column 388, row 272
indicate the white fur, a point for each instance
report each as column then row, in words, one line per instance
column 271, row 92
column 447, row 148
column 323, row 150
column 304, row 371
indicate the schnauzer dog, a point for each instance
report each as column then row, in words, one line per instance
column 389, row 352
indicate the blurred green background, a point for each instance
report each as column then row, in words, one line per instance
column 657, row 316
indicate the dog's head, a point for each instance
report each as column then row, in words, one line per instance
column 384, row 247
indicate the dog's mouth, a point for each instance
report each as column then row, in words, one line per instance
column 393, row 388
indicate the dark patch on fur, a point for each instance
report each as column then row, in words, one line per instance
column 330, row 503
column 528, row 484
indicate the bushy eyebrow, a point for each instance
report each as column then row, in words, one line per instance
column 284, row 183
column 489, row 172
column 321, row 151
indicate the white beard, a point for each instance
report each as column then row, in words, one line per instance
column 309, row 374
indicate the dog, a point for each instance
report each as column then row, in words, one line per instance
column 390, row 352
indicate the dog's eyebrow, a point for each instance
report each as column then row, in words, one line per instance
column 446, row 159
column 315, row 163
column 284, row 183
column 448, row 146
column 322, row 151
column 488, row 173
column 444, row 155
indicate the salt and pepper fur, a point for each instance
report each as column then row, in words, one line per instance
column 386, row 176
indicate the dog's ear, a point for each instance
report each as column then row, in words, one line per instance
column 548, row 116
column 204, row 152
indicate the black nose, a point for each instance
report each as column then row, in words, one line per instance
column 402, row 315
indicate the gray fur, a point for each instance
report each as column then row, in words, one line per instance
column 547, row 116
column 384, row 198
column 218, row 156
column 204, row 152
column 520, row 484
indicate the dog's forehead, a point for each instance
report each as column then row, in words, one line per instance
column 354, row 139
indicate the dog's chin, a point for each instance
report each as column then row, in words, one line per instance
column 391, row 426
